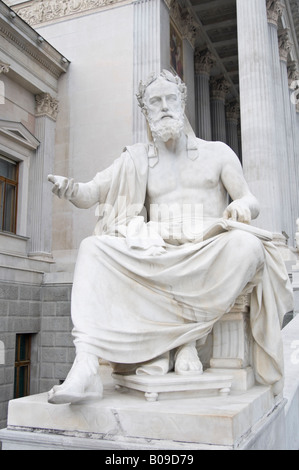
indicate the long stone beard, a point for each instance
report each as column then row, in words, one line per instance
column 167, row 129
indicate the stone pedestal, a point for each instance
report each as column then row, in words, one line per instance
column 126, row 421
column 232, row 346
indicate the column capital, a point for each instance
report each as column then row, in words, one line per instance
column 184, row 20
column 204, row 61
column 293, row 73
column 219, row 88
column 274, row 11
column 284, row 43
column 233, row 111
column 46, row 105
column 4, row 68
column 189, row 27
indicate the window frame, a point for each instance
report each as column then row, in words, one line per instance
column 16, row 185
column 22, row 363
column 19, row 145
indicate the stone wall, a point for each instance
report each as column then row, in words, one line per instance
column 44, row 312
column 56, row 345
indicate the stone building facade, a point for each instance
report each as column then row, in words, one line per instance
column 71, row 113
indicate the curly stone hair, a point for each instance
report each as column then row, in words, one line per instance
column 170, row 77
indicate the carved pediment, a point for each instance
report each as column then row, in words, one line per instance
column 18, row 133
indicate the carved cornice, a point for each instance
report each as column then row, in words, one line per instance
column 46, row 105
column 284, row 43
column 219, row 88
column 274, row 10
column 204, row 61
column 40, row 11
column 184, row 20
column 4, row 68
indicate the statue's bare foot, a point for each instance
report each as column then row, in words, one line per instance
column 83, row 383
column 187, row 360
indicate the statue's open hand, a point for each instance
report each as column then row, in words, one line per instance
column 63, row 187
column 238, row 211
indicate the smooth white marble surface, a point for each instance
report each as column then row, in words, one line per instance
column 127, row 416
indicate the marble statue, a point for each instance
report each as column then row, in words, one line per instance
column 162, row 266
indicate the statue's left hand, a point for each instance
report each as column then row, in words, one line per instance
column 238, row 211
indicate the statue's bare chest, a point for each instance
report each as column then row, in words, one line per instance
column 181, row 176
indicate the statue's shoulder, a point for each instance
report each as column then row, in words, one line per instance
column 136, row 151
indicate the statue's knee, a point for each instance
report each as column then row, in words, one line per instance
column 88, row 244
column 246, row 244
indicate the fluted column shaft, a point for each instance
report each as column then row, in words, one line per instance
column 203, row 64
column 294, row 78
column 274, row 10
column 219, row 89
column 147, row 53
column 232, row 122
column 290, row 164
column 40, row 196
column 257, row 111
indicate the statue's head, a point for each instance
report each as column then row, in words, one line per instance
column 162, row 99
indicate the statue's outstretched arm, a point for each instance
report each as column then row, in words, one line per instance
column 82, row 195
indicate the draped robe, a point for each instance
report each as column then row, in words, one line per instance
column 137, row 295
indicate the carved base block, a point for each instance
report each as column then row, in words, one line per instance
column 175, row 386
column 242, row 379
column 232, row 346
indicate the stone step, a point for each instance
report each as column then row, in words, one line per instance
column 23, row 262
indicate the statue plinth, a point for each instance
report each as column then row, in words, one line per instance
column 127, row 421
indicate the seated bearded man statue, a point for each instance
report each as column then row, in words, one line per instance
column 146, row 292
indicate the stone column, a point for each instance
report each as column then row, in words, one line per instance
column 147, row 53
column 203, row 64
column 257, row 111
column 293, row 80
column 4, row 68
column 274, row 11
column 219, row 90
column 289, row 167
column 232, row 126
column 40, row 196
column 203, row 61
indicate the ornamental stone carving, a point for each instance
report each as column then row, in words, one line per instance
column 297, row 235
column 284, row 43
column 184, row 21
column 46, row 106
column 233, row 111
column 41, row 11
column 204, row 61
column 219, row 88
column 293, row 74
column 274, row 11
column 4, row 68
